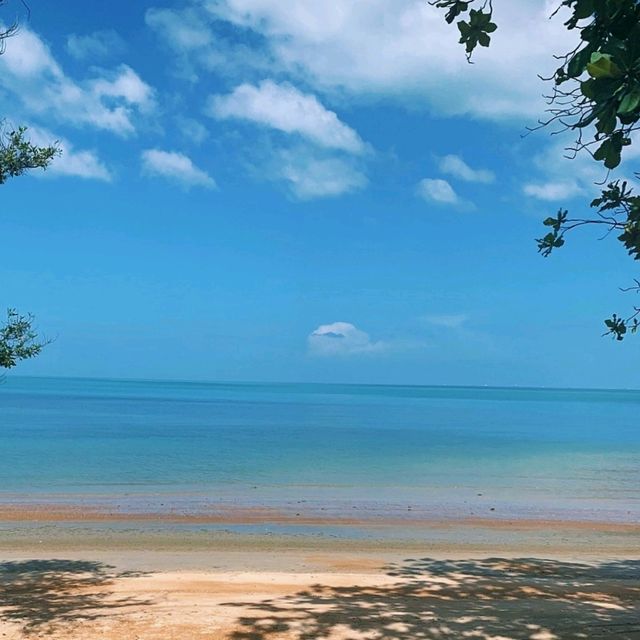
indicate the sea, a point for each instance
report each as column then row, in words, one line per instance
column 433, row 452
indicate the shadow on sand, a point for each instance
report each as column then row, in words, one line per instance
column 44, row 593
column 492, row 599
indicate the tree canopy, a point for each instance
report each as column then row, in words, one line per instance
column 18, row 339
column 596, row 95
column 19, row 155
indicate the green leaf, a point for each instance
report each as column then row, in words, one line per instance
column 587, row 88
column 613, row 159
column 583, row 9
column 606, row 123
column 602, row 66
column 602, row 151
column 578, row 63
column 630, row 102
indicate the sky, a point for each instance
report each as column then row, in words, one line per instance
column 257, row 190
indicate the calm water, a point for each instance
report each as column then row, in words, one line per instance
column 529, row 451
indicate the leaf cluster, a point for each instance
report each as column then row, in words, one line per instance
column 475, row 30
column 18, row 155
column 18, row 339
column 598, row 83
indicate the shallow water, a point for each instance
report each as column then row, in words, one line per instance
column 381, row 449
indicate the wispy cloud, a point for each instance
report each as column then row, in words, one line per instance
column 97, row 45
column 448, row 321
column 309, row 174
column 455, row 166
column 553, row 191
column 183, row 30
column 562, row 178
column 176, row 167
column 342, row 339
column 285, row 108
column 192, row 130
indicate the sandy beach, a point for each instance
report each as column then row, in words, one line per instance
column 99, row 577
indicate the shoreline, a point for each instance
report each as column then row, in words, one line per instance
column 226, row 514
column 54, row 530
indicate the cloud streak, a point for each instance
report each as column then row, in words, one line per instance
column 176, row 167
column 455, row 166
column 96, row 45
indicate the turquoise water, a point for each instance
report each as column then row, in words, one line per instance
column 430, row 450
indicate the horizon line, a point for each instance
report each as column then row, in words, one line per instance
column 343, row 384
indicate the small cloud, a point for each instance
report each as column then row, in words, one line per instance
column 448, row 321
column 437, row 190
column 310, row 176
column 125, row 84
column 552, row 191
column 176, row 167
column 70, row 162
column 341, row 339
column 284, row 108
column 96, row 45
column 455, row 166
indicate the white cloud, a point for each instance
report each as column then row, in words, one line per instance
column 437, row 190
column 81, row 164
column 96, row 45
column 562, row 178
column 283, row 107
column 455, row 166
column 341, row 339
column 448, row 321
column 176, row 167
column 309, row 175
column 553, row 191
column 30, row 75
column 405, row 50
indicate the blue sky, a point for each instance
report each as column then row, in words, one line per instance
column 255, row 190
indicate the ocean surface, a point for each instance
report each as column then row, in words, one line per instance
column 430, row 451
